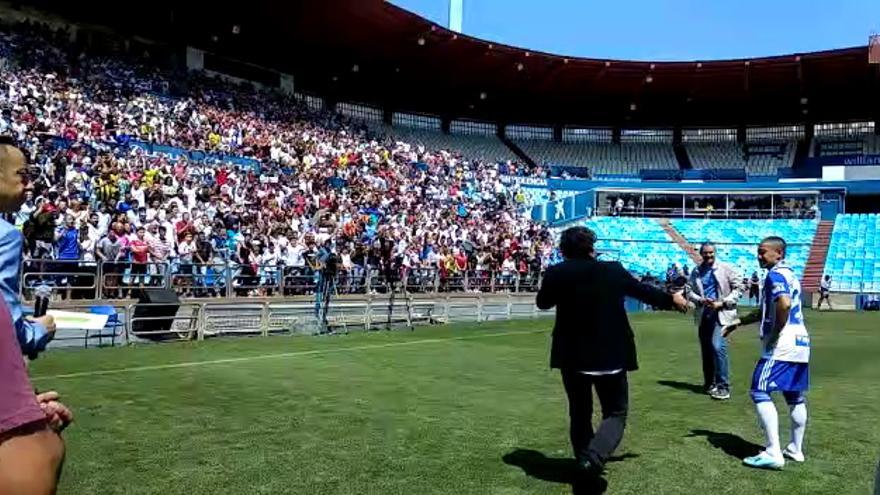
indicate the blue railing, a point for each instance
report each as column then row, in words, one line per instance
column 152, row 148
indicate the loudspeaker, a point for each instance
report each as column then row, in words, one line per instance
column 155, row 304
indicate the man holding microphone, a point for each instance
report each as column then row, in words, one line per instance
column 32, row 334
column 715, row 288
column 31, row 447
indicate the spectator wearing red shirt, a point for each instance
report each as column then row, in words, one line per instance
column 183, row 227
column 222, row 176
column 140, row 255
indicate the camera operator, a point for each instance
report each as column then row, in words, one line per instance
column 327, row 265
column 593, row 343
column 388, row 259
column 328, row 261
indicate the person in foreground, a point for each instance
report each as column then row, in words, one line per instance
column 783, row 366
column 593, row 345
column 31, row 448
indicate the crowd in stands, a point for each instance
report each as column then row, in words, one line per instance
column 100, row 196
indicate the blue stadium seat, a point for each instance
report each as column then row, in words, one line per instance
column 853, row 253
column 736, row 241
column 114, row 327
column 643, row 246
column 640, row 244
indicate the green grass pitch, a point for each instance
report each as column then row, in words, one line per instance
column 461, row 409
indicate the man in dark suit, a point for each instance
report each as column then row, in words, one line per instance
column 593, row 344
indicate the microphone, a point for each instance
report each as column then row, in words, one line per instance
column 41, row 305
column 41, row 300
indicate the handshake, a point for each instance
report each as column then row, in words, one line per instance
column 679, row 302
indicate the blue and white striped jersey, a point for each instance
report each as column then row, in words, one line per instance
column 793, row 344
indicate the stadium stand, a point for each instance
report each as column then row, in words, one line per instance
column 640, row 244
column 731, row 155
column 736, row 240
column 115, row 154
column 246, row 171
column 482, row 148
column 836, row 146
column 643, row 246
column 625, row 159
column 854, row 254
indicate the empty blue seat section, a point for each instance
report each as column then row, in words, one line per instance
column 854, row 253
column 640, row 244
column 736, row 241
column 643, row 246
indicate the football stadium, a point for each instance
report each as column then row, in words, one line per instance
column 324, row 247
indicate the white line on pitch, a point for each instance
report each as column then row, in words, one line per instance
column 191, row 364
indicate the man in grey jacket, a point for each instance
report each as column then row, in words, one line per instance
column 715, row 288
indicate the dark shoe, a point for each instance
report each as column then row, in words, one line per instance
column 589, row 468
column 720, row 394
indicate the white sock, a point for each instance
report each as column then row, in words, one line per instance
column 798, row 425
column 769, row 420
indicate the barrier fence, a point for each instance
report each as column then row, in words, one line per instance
column 199, row 319
column 81, row 280
column 89, row 280
column 196, row 319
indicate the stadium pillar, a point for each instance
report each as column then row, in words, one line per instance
column 445, row 120
column 456, row 11
column 615, row 135
column 501, row 132
column 557, row 133
column 809, row 131
column 676, row 135
column 387, row 115
column 741, row 133
column 877, row 117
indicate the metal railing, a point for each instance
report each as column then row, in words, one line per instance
column 199, row 320
column 716, row 213
column 81, row 280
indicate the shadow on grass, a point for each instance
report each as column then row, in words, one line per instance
column 730, row 444
column 689, row 387
column 559, row 470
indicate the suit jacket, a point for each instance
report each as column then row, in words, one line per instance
column 32, row 336
column 730, row 289
column 592, row 331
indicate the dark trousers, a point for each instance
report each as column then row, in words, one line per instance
column 613, row 392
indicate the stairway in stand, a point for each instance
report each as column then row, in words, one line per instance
column 679, row 239
column 818, row 252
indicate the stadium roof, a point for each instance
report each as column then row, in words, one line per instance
column 372, row 52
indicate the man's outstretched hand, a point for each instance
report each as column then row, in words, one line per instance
column 679, row 302
column 729, row 329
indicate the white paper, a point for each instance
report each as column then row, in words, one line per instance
column 69, row 320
